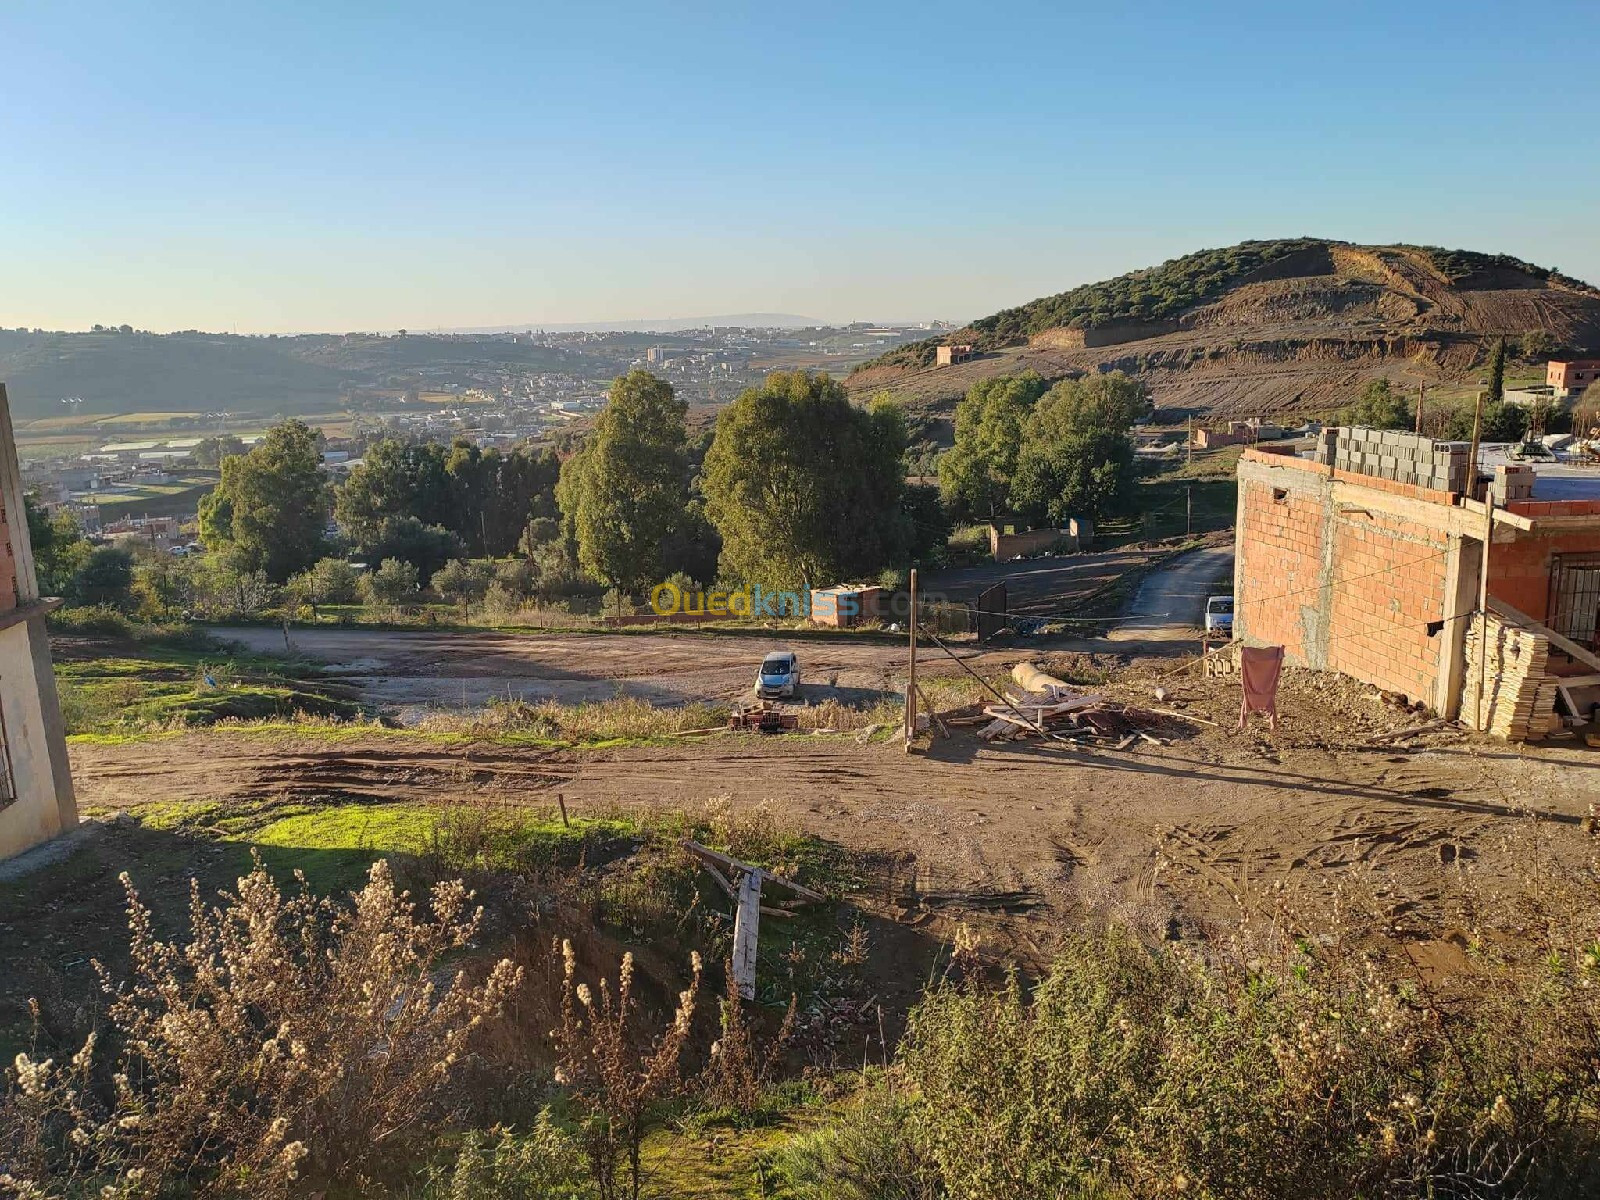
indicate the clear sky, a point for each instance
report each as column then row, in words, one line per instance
column 328, row 165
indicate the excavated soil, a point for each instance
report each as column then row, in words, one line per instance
column 1194, row 833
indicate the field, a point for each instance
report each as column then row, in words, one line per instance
column 558, row 774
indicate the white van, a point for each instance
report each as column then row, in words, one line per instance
column 1219, row 615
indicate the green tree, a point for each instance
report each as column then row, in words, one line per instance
column 975, row 475
column 1380, row 406
column 334, row 581
column 626, row 490
column 105, row 578
column 59, row 548
column 425, row 547
column 1077, row 459
column 463, row 582
column 804, row 486
column 484, row 497
column 271, row 507
column 1536, row 345
column 1497, row 373
column 395, row 582
column 212, row 450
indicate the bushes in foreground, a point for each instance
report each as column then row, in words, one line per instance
column 1136, row 1073
column 291, row 1040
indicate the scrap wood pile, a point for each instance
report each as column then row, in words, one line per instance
column 763, row 717
column 1051, row 708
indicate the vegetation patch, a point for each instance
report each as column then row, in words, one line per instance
column 153, row 686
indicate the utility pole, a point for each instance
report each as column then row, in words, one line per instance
column 1483, row 608
column 1422, row 393
column 1188, row 509
column 1188, row 442
column 911, row 675
column 1472, row 458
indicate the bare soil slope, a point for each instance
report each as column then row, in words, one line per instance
column 1298, row 335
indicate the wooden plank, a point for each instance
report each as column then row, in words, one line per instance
column 1564, row 644
column 728, row 862
column 746, row 930
column 722, row 880
column 1405, row 733
column 1182, row 716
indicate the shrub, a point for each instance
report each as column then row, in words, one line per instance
column 519, row 577
column 1152, row 1073
column 462, row 582
column 395, row 582
column 99, row 620
column 864, row 1154
column 289, row 1037
column 613, row 1076
column 334, row 581
column 546, row 1163
column 739, row 1071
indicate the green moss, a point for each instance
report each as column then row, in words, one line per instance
column 333, row 844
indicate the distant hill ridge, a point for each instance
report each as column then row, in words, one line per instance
column 1278, row 325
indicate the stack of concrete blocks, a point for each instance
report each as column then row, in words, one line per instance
column 1513, row 481
column 1397, row 455
column 1519, row 695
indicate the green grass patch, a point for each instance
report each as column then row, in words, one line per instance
column 333, row 844
column 128, row 687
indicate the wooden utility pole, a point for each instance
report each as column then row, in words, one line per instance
column 911, row 672
column 1422, row 394
column 1483, row 608
column 1472, row 458
column 1188, row 444
column 1188, row 509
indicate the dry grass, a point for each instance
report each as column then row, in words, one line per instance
column 291, row 1041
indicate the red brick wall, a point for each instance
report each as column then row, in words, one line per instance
column 1519, row 571
column 1388, row 583
column 1279, row 544
column 1367, row 613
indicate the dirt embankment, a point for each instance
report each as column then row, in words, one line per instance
column 1298, row 337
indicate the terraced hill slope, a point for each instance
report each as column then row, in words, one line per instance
column 1283, row 327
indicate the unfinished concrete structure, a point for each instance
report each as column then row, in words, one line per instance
column 1388, row 580
column 36, row 800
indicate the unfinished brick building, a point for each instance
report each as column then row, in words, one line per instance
column 36, row 799
column 1381, row 578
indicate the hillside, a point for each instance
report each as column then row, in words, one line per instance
column 1288, row 326
column 199, row 372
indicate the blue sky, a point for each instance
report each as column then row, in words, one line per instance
column 294, row 166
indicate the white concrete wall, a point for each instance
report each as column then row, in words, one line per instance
column 44, row 804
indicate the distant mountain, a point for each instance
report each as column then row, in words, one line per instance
column 1294, row 325
column 663, row 324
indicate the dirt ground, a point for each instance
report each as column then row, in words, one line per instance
column 1190, row 833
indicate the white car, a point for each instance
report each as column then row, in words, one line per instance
column 1219, row 615
column 779, row 676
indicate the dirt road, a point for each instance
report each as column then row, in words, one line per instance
column 1170, row 604
column 411, row 672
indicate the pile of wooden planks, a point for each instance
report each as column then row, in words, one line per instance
column 1050, row 708
column 1519, row 693
column 763, row 718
